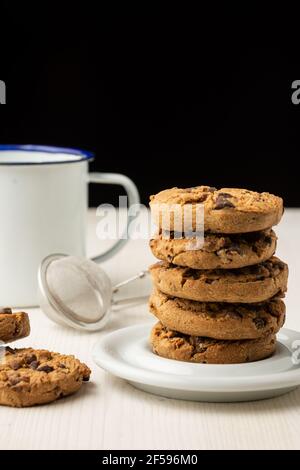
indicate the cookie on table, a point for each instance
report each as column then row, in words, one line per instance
column 13, row 326
column 218, row 251
column 173, row 345
column 250, row 284
column 218, row 320
column 33, row 377
column 227, row 210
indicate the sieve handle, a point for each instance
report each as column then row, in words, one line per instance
column 140, row 275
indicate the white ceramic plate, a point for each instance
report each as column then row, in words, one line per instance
column 126, row 353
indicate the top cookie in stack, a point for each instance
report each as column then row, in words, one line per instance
column 227, row 210
column 231, row 285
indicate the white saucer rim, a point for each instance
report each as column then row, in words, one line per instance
column 279, row 380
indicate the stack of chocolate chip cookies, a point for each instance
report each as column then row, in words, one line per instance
column 220, row 302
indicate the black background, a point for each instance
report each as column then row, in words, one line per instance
column 169, row 101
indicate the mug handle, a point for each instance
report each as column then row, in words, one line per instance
column 133, row 198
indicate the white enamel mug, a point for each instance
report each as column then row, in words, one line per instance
column 43, row 208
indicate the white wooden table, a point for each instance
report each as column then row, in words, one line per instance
column 108, row 413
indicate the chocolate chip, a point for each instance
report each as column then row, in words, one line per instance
column 10, row 350
column 85, row 378
column 259, row 322
column 226, row 195
column 5, row 310
column 222, row 202
column 211, row 189
column 62, row 366
column 191, row 273
column 30, row 359
column 45, row 368
column 268, row 239
column 34, row 365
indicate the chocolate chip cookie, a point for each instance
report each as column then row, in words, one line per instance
column 227, row 210
column 13, row 326
column 218, row 250
column 33, row 377
column 218, row 320
column 173, row 345
column 244, row 285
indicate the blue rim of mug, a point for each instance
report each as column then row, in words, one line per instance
column 78, row 154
